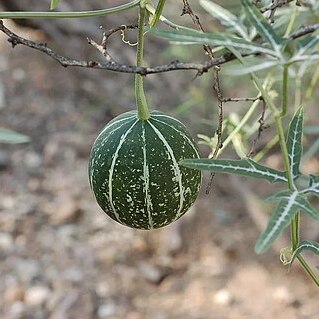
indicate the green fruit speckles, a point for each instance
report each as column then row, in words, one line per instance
column 135, row 173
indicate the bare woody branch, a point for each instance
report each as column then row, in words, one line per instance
column 201, row 68
column 111, row 65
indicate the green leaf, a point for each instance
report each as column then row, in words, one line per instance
column 294, row 143
column 313, row 185
column 11, row 137
column 305, row 245
column 262, row 26
column 306, row 44
column 244, row 167
column 225, row 17
column 278, row 221
column 279, row 196
column 215, row 39
column 300, row 201
column 54, row 4
column 247, row 69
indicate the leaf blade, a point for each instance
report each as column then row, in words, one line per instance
column 208, row 38
column 225, row 17
column 54, row 4
column 294, row 143
column 278, row 221
column 243, row 167
column 11, row 137
column 313, row 185
column 301, row 202
column 262, row 26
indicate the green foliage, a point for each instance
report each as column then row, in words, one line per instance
column 305, row 245
column 294, row 143
column 243, row 167
column 54, row 4
column 11, row 137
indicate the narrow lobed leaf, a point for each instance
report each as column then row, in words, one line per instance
column 294, row 143
column 262, row 26
column 305, row 245
column 279, row 196
column 244, row 167
column 279, row 220
column 301, row 202
column 225, row 17
column 247, row 69
column 208, row 38
column 313, row 185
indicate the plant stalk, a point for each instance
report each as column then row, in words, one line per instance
column 81, row 14
column 158, row 13
column 141, row 102
column 284, row 92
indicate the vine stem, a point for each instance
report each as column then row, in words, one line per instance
column 278, row 115
column 295, row 223
column 80, row 14
column 141, row 102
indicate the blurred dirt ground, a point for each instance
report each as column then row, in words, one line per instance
column 62, row 258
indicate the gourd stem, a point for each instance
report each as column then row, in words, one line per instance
column 141, row 102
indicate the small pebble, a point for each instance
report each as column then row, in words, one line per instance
column 150, row 272
column 283, row 295
column 14, row 294
column 37, row 295
column 17, row 310
column 106, row 311
column 223, row 297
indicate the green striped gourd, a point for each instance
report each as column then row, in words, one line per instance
column 135, row 174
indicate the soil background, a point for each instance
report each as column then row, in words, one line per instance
column 61, row 257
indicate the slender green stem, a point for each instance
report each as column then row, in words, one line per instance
column 81, row 14
column 158, row 13
column 308, row 269
column 141, row 102
column 284, row 106
column 295, row 224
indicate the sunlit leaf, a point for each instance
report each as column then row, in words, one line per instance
column 278, row 221
column 244, row 167
column 294, row 143
column 225, row 17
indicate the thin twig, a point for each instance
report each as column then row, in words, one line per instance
column 240, row 99
column 209, row 51
column 304, row 31
column 262, row 127
column 200, row 68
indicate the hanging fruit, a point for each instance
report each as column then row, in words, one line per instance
column 135, row 173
